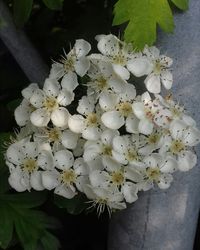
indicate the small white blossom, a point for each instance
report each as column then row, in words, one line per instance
column 75, row 62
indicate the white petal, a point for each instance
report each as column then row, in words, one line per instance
column 120, row 144
column 99, row 178
column 51, row 87
column 65, row 97
column 82, row 65
column 45, row 160
column 15, row 181
column 65, row 191
column 110, row 164
column 140, row 66
column 119, row 157
column 112, row 119
column 130, row 191
column 107, row 101
column 50, row 179
column 78, row 151
column 81, row 182
column 22, row 113
column 80, row 167
column 186, row 161
column 145, row 127
column 108, row 45
column 131, row 174
column 117, row 84
column 60, row 117
column 85, row 105
column 177, row 128
column 81, row 47
column 139, row 110
column 64, row 159
column 128, row 93
column 57, row 71
column 191, row 136
column 167, row 79
column 36, row 181
column 76, row 123
column 28, row 92
column 121, row 71
column 169, row 165
column 69, row 81
column 165, row 61
column 153, row 160
column 108, row 135
column 14, row 154
column 132, row 123
column 151, row 52
column 37, row 98
column 165, row 181
column 92, row 152
column 40, row 117
column 69, row 139
column 152, row 83
column 30, row 149
column 91, row 133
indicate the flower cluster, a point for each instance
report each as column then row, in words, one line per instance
column 88, row 131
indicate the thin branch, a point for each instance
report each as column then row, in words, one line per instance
column 21, row 48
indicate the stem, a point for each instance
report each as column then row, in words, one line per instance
column 21, row 48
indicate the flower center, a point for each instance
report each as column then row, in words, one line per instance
column 124, row 108
column 107, row 150
column 68, row 176
column 30, row 165
column 149, row 113
column 176, row 111
column 157, row 67
column 54, row 134
column 68, row 63
column 177, row 146
column 91, row 119
column 117, row 178
column 153, row 173
column 132, row 155
column 101, row 83
column 50, row 103
column 153, row 138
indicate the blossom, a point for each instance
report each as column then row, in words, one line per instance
column 49, row 102
column 118, row 108
column 158, row 169
column 88, row 121
column 75, row 62
column 102, row 198
column 160, row 70
column 178, row 143
column 26, row 160
column 67, row 177
column 117, row 177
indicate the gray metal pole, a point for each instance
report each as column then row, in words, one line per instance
column 167, row 220
column 21, row 48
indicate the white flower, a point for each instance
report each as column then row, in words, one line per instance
column 96, row 151
column 23, row 111
column 25, row 159
column 75, row 61
column 48, row 104
column 88, row 123
column 150, row 113
column 68, row 176
column 177, row 112
column 126, row 150
column 178, row 143
column 104, row 199
column 158, row 170
column 117, row 177
column 160, row 70
column 118, row 108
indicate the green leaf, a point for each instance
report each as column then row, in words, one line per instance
column 6, row 226
column 50, row 242
column 30, row 225
column 74, row 206
column 181, row 4
column 25, row 200
column 143, row 17
column 22, row 10
column 14, row 104
column 54, row 4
